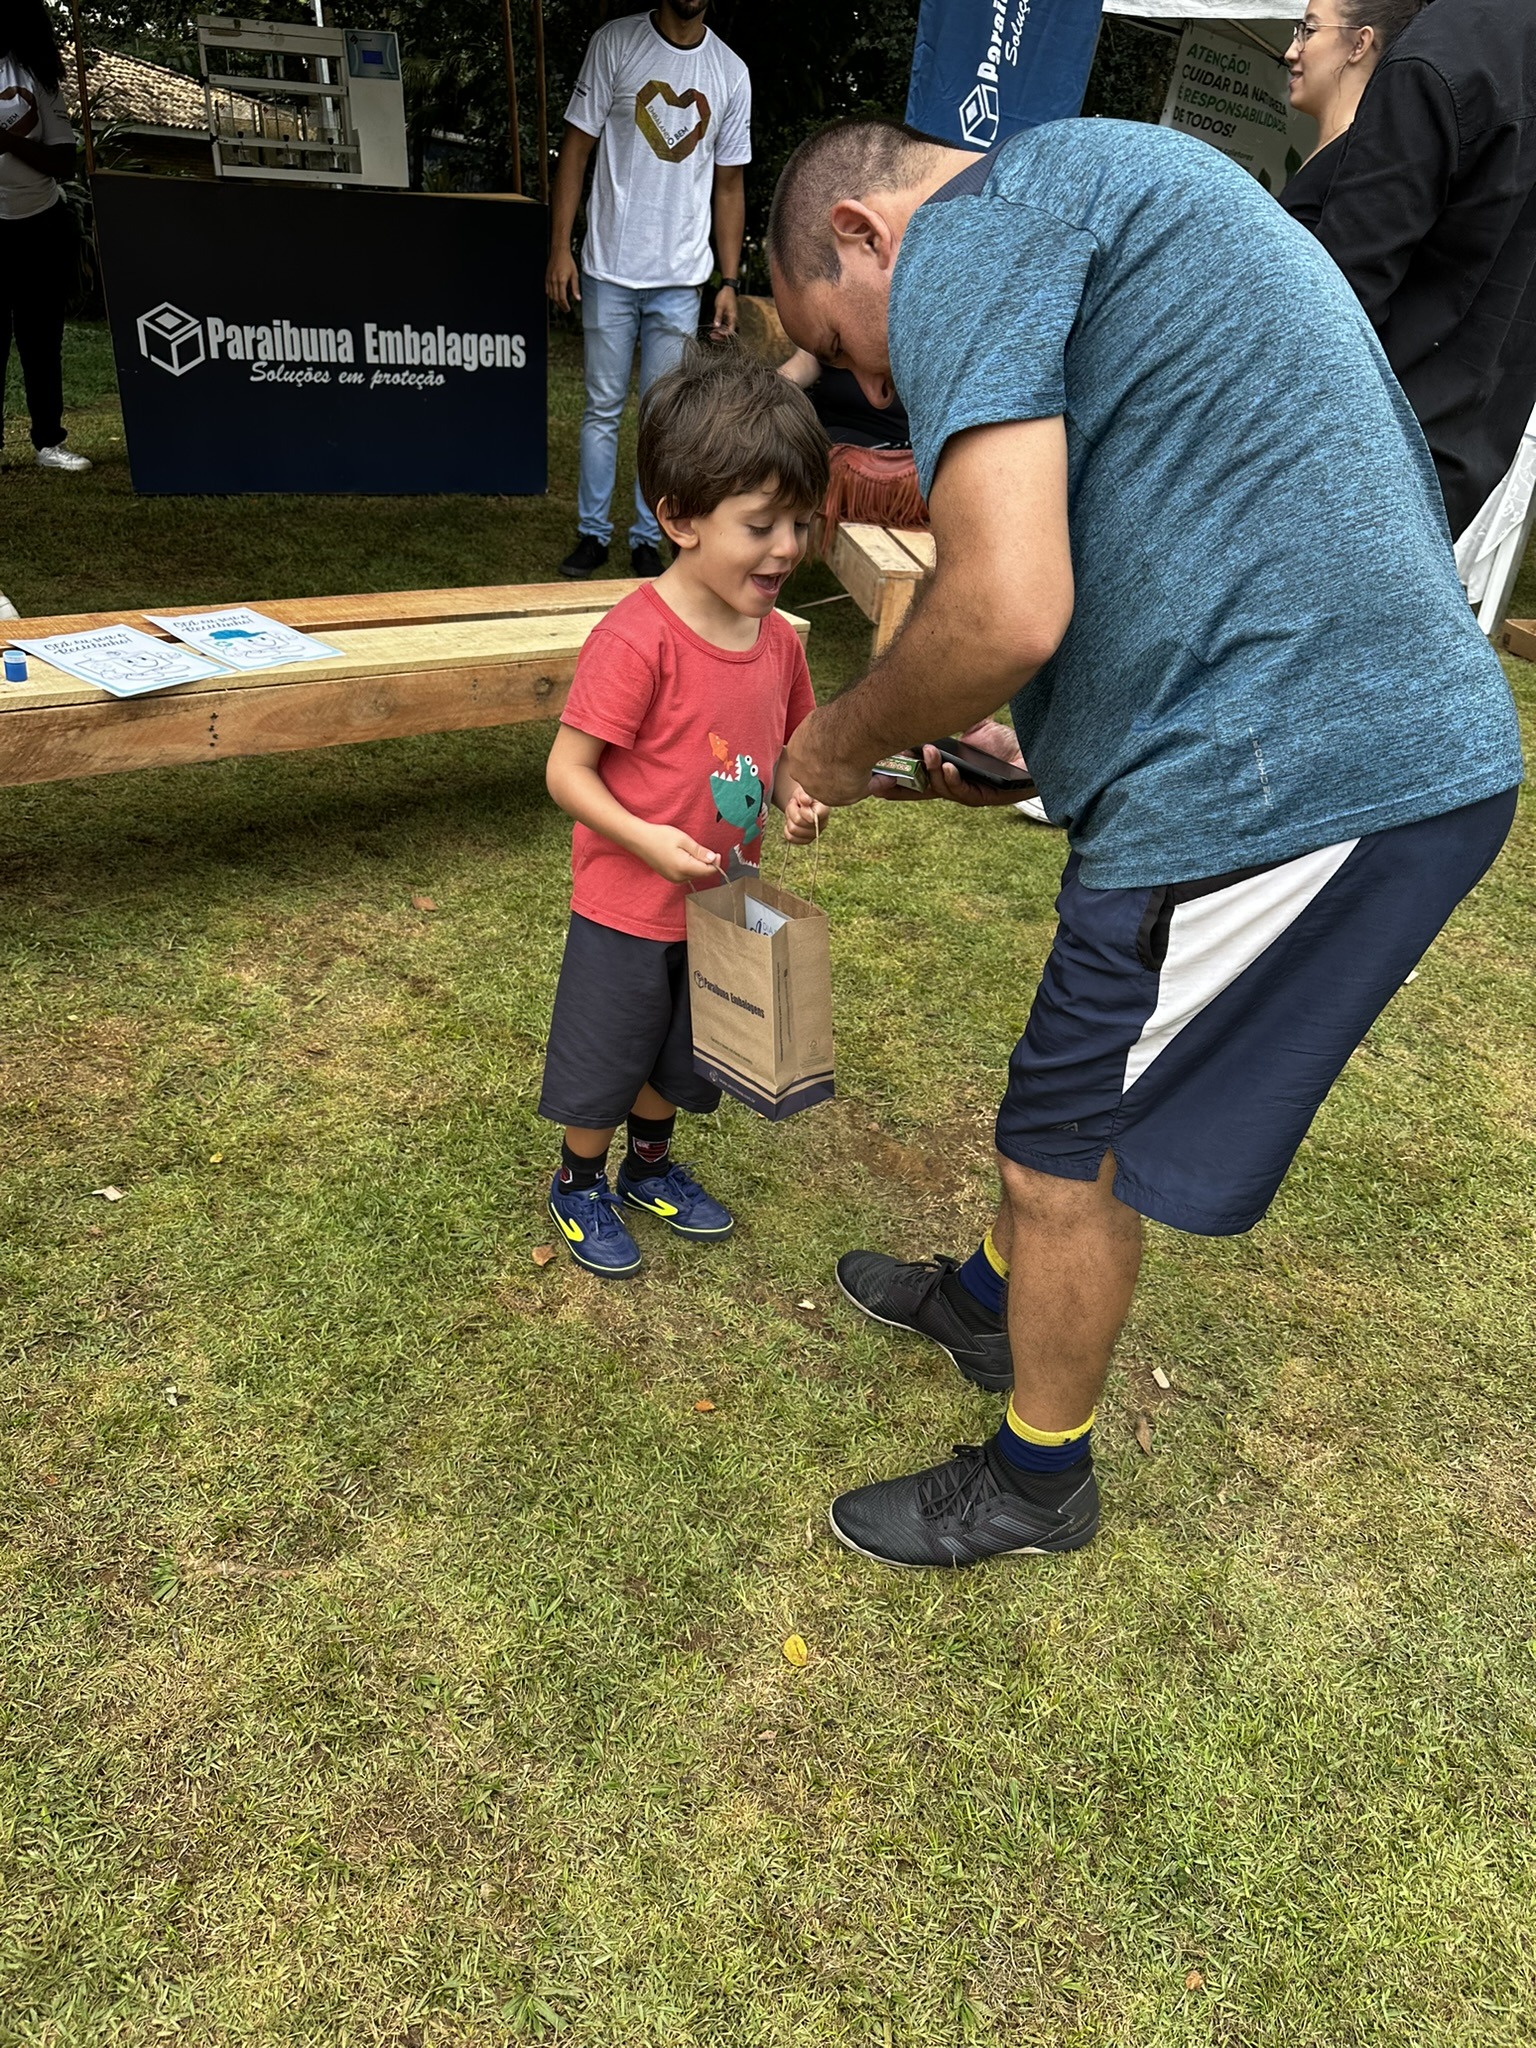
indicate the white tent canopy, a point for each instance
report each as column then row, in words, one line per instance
column 1202, row 10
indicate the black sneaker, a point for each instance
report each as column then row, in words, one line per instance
column 588, row 554
column 961, row 1512
column 922, row 1297
column 645, row 560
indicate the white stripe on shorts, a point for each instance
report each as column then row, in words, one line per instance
column 1213, row 939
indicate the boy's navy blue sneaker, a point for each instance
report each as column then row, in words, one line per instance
column 677, row 1198
column 594, row 1231
column 965, row 1510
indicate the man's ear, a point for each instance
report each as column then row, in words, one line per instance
column 681, row 532
column 857, row 225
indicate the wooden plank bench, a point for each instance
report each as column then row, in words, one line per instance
column 881, row 567
column 414, row 661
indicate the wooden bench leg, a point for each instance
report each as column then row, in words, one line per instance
column 895, row 601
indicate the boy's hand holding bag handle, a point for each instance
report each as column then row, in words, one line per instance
column 760, row 974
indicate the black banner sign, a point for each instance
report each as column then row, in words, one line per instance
column 287, row 338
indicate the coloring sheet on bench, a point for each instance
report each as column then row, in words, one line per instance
column 122, row 660
column 242, row 638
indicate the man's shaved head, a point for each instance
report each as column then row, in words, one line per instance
column 850, row 160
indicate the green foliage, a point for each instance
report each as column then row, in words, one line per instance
column 1131, row 69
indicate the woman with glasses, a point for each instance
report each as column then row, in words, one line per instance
column 1333, row 52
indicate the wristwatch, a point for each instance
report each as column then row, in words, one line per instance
column 730, row 284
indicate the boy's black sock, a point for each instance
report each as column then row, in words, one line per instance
column 650, row 1143
column 578, row 1171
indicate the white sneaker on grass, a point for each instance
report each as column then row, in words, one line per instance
column 1031, row 807
column 60, row 457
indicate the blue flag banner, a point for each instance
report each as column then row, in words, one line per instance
column 984, row 69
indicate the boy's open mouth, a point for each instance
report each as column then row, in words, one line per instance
column 770, row 586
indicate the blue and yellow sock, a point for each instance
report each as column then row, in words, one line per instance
column 1041, row 1450
column 984, row 1276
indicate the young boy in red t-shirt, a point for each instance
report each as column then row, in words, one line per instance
column 668, row 755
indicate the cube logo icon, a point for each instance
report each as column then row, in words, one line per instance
column 171, row 339
column 978, row 116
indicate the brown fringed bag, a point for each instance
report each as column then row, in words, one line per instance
column 877, row 485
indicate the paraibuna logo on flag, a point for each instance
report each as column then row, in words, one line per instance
column 978, row 116
column 985, row 70
column 979, row 111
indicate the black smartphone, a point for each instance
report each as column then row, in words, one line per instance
column 983, row 770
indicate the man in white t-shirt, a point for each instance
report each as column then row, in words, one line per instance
column 37, row 231
column 667, row 107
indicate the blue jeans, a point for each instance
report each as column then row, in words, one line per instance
column 613, row 317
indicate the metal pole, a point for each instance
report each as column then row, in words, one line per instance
column 515, row 133
column 543, row 89
column 85, row 100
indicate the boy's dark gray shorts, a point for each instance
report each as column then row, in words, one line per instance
column 622, row 1018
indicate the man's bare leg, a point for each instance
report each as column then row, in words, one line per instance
column 1074, row 1253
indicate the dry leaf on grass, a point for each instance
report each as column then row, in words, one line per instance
column 108, row 1194
column 215, row 1158
column 1193, row 1981
column 795, row 1652
column 1144, row 1435
column 542, row 1254
column 703, row 1407
column 805, row 1304
column 422, row 903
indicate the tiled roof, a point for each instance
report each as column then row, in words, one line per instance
column 145, row 95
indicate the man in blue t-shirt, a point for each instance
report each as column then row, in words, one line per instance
column 1186, row 522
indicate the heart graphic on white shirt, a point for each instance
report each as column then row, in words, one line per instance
column 674, row 125
column 23, row 122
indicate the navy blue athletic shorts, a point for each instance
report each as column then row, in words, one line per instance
column 1194, row 1029
column 622, row 1018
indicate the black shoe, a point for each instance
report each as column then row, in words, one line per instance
column 922, row 1297
column 961, row 1512
column 645, row 560
column 588, row 554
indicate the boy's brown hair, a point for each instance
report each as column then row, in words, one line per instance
column 723, row 422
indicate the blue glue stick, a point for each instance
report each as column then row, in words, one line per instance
column 15, row 665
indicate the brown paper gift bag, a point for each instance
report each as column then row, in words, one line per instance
column 762, row 997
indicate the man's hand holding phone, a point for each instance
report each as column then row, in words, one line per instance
column 984, row 769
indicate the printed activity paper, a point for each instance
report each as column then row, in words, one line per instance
column 122, row 660
column 242, row 638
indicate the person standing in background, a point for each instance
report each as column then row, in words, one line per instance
column 1331, row 62
column 667, row 107
column 37, row 229
column 1431, row 216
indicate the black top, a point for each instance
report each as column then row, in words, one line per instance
column 1305, row 190
column 1431, row 216
column 848, row 415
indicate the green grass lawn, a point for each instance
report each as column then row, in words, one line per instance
column 392, row 1648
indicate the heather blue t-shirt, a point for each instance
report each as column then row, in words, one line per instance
column 1269, row 650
